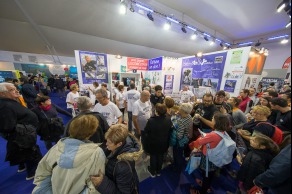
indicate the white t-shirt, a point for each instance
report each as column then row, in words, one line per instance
column 71, row 97
column 108, row 94
column 186, row 96
column 110, row 112
column 131, row 97
column 121, row 98
column 143, row 111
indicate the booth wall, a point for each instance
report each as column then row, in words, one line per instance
column 6, row 66
column 278, row 53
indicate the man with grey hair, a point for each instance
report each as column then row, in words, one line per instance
column 131, row 97
column 84, row 104
column 13, row 115
column 141, row 112
column 108, row 109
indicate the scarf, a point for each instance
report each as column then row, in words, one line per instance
column 45, row 108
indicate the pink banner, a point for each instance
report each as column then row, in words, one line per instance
column 136, row 63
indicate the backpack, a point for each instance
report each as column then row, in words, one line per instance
column 278, row 134
column 222, row 154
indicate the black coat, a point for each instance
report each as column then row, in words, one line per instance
column 254, row 163
column 124, row 179
column 29, row 93
column 157, row 134
column 11, row 114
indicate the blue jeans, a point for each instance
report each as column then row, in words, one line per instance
column 130, row 120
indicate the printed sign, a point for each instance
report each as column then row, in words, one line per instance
column 136, row 63
column 168, row 84
column 230, row 85
column 155, row 64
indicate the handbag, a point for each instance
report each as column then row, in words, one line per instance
column 194, row 162
column 56, row 125
column 173, row 139
column 25, row 136
column 255, row 190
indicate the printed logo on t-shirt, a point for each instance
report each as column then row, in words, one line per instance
column 106, row 115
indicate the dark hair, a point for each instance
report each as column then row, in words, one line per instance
column 157, row 88
column 132, row 86
column 273, row 94
column 24, row 80
column 160, row 109
column 221, row 122
column 272, row 84
column 220, row 93
column 104, row 85
column 169, row 102
column 41, row 99
column 237, row 101
column 117, row 84
column 269, row 100
column 120, row 87
column 246, row 91
column 15, row 80
column 95, row 83
column 280, row 102
column 208, row 95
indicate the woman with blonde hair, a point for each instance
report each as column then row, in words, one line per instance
column 68, row 164
column 71, row 99
column 120, row 173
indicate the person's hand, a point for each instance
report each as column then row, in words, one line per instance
column 239, row 131
column 223, row 110
column 239, row 159
column 198, row 116
column 97, row 179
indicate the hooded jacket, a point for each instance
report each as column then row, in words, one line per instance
column 67, row 166
column 119, row 178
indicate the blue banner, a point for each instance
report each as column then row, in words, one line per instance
column 168, row 84
column 230, row 86
column 205, row 71
column 155, row 64
column 5, row 74
column 93, row 67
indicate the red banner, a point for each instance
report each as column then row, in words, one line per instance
column 287, row 63
column 136, row 63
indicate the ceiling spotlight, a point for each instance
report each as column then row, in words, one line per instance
column 212, row 42
column 281, row 6
column 289, row 24
column 150, row 17
column 262, row 50
column 132, row 8
column 123, row 8
column 167, row 25
column 119, row 56
column 206, row 38
column 183, row 29
column 221, row 44
column 258, row 43
column 194, row 36
column 199, row 54
column 266, row 52
column 284, row 41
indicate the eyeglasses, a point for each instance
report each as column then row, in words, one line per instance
column 13, row 90
column 220, row 96
column 207, row 101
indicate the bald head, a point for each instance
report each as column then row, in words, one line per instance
column 145, row 96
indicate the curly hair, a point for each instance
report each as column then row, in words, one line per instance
column 262, row 109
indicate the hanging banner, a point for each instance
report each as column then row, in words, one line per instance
column 136, row 63
column 255, row 64
column 287, row 63
column 155, row 64
column 93, row 67
column 205, row 71
column 168, row 84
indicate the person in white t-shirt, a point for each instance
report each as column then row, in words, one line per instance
column 120, row 100
column 107, row 108
column 142, row 112
column 115, row 90
column 131, row 97
column 186, row 95
column 104, row 86
column 71, row 99
column 93, row 92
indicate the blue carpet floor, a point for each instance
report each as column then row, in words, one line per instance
column 169, row 182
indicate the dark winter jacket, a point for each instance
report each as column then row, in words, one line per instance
column 278, row 177
column 44, row 130
column 119, row 178
column 11, row 114
column 255, row 162
column 157, row 134
column 29, row 93
column 59, row 83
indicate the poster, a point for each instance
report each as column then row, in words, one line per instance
column 136, row 63
column 5, row 74
column 236, row 57
column 287, row 63
column 255, row 64
column 155, row 64
column 279, row 82
column 94, row 67
column 203, row 72
column 168, row 84
column 230, row 85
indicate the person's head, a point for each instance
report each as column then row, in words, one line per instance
column 87, row 58
column 147, row 82
column 160, row 109
column 101, row 97
column 169, row 102
column 15, row 82
column 84, row 103
column 268, row 93
column 147, row 88
column 265, row 101
column 185, row 88
column 116, row 136
column 234, row 101
column 221, row 122
column 227, row 96
column 74, row 87
column 286, row 88
column 117, row 84
column 219, row 97
column 83, row 127
column 8, row 90
column 286, row 96
column 207, row 99
column 252, row 91
column 145, row 96
column 260, row 141
column 132, row 86
column 8, row 80
column 158, row 90
column 143, row 81
column 104, row 86
column 278, row 103
column 23, row 80
column 260, row 113
column 185, row 109
column 121, row 88
column 43, row 101
column 95, row 84
column 272, row 84
column 244, row 93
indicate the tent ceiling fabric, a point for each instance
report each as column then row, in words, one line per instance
column 96, row 25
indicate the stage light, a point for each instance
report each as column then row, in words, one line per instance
column 266, row 52
column 258, row 43
column 199, row 54
column 183, row 29
column 167, row 25
column 132, row 8
column 194, row 36
column 206, row 38
column 150, row 17
column 221, row 44
column 262, row 50
column 123, row 8
column 245, row 43
column 278, row 37
column 284, row 41
column 212, row 42
column 281, row 6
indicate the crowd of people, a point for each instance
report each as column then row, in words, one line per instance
column 259, row 123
